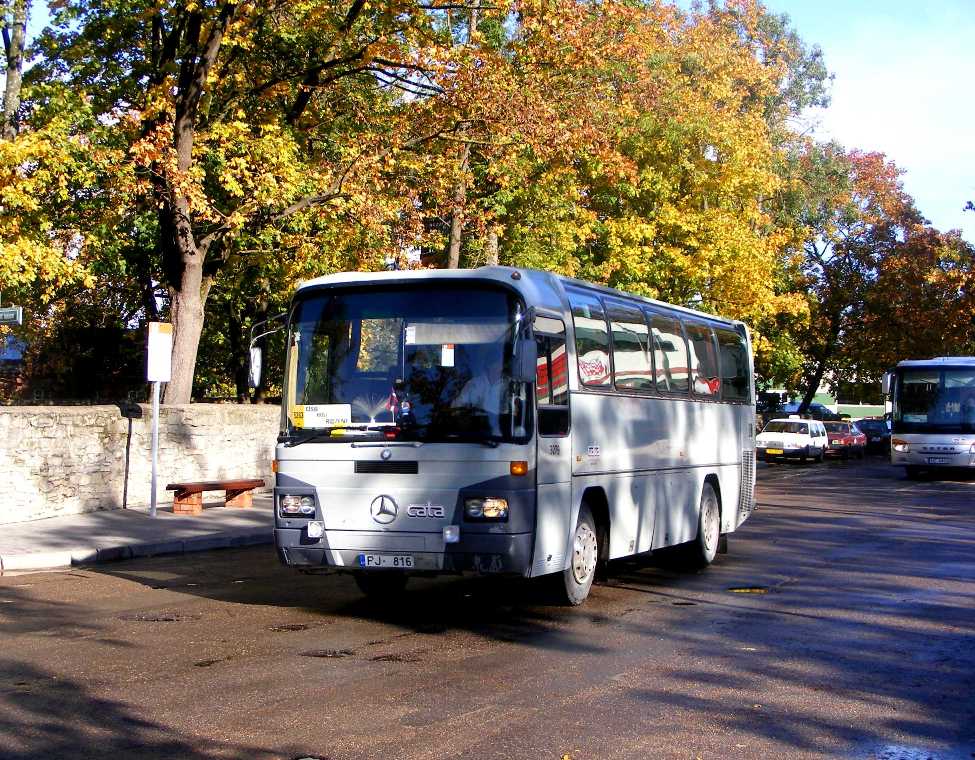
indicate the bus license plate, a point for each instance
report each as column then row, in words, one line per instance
column 397, row 561
column 937, row 460
column 774, row 451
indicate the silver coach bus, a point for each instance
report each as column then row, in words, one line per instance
column 933, row 419
column 506, row 420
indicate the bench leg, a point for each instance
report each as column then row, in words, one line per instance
column 241, row 499
column 187, row 503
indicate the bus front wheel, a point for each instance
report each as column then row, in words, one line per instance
column 576, row 580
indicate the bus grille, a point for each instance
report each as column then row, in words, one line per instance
column 746, row 497
column 388, row 468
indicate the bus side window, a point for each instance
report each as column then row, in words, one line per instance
column 592, row 340
column 631, row 349
column 734, row 365
column 705, row 379
column 552, row 378
column 669, row 354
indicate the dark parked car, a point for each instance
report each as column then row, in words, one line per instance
column 816, row 411
column 845, row 440
column 878, row 435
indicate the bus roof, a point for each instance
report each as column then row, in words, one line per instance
column 940, row 361
column 537, row 286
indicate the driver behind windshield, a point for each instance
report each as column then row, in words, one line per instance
column 482, row 392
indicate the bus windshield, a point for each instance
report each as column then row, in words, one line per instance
column 430, row 363
column 935, row 400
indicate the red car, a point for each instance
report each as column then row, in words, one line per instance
column 845, row 439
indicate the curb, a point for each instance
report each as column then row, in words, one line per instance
column 94, row 555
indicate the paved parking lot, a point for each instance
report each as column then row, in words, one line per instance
column 841, row 623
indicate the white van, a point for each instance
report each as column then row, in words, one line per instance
column 804, row 439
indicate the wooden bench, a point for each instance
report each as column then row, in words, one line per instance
column 188, row 499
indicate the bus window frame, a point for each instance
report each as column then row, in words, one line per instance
column 648, row 315
column 710, row 397
column 736, row 330
column 599, row 390
column 626, row 391
column 564, row 336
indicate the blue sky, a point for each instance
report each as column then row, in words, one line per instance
column 904, row 85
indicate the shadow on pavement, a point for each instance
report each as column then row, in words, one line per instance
column 44, row 715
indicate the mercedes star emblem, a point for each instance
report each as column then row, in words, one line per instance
column 383, row 509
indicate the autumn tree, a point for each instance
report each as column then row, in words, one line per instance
column 855, row 214
column 921, row 305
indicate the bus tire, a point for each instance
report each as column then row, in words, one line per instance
column 381, row 586
column 703, row 549
column 577, row 578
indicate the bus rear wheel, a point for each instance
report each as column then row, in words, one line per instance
column 576, row 579
column 381, row 586
column 703, row 549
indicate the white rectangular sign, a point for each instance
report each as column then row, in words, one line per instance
column 160, row 354
column 321, row 415
column 12, row 315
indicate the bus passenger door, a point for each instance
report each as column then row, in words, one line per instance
column 553, row 469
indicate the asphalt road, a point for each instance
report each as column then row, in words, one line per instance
column 841, row 623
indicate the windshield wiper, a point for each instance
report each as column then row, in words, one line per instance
column 423, row 433
column 359, row 427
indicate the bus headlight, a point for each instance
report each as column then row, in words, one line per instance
column 293, row 505
column 489, row 508
column 900, row 445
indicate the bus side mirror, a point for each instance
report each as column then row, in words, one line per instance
column 887, row 382
column 525, row 361
column 254, row 373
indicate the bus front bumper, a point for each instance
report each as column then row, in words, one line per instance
column 488, row 553
column 935, row 457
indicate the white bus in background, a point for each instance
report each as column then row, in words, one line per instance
column 506, row 421
column 933, row 413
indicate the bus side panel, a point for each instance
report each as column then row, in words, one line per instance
column 554, row 522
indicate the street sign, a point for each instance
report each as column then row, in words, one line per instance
column 159, row 364
column 12, row 315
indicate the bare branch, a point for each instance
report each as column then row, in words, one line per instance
column 417, row 88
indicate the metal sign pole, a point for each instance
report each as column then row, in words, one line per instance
column 155, row 445
column 158, row 370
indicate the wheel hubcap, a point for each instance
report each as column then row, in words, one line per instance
column 711, row 527
column 584, row 554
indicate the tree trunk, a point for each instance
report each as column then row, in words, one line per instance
column 491, row 246
column 14, row 38
column 457, row 215
column 460, row 191
column 812, row 385
column 186, row 313
column 183, row 252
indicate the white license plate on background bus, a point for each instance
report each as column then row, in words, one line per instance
column 396, row 561
column 937, row 460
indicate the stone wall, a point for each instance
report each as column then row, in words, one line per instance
column 69, row 460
